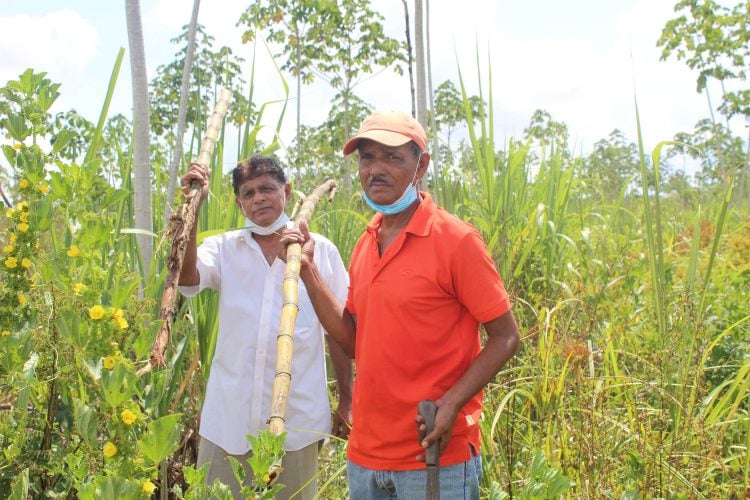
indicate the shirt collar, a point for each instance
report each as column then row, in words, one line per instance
column 420, row 222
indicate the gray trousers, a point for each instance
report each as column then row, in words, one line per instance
column 299, row 477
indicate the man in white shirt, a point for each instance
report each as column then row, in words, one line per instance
column 242, row 266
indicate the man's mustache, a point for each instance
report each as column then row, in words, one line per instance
column 376, row 180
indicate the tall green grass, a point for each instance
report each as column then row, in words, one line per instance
column 613, row 383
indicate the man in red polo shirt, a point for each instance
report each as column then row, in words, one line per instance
column 421, row 283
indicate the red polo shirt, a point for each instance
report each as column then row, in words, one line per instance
column 418, row 310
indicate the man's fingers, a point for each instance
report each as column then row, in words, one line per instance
column 304, row 229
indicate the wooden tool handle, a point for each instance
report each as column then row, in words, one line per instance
column 428, row 410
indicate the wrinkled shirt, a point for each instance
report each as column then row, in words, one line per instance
column 238, row 394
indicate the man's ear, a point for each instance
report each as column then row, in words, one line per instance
column 424, row 161
column 287, row 193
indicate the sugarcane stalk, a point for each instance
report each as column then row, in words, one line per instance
column 181, row 223
column 289, row 308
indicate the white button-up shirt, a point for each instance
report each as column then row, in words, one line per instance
column 238, row 394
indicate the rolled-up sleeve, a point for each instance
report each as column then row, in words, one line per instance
column 209, row 270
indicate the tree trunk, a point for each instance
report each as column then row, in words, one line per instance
column 411, row 67
column 431, row 125
column 420, row 63
column 299, row 113
column 141, row 144
column 182, row 113
column 347, row 127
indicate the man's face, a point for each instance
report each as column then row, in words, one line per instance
column 263, row 199
column 386, row 171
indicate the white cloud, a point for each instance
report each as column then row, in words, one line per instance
column 60, row 42
column 577, row 61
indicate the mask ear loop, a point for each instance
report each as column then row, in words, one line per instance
column 419, row 161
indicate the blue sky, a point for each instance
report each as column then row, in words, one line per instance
column 577, row 59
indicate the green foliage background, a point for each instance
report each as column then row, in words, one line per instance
column 630, row 284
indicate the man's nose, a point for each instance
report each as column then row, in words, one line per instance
column 376, row 166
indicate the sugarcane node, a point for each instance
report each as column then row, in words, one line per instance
column 279, row 374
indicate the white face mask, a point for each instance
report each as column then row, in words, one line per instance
column 275, row 226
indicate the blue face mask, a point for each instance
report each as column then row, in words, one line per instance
column 404, row 201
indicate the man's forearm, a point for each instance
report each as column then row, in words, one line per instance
column 502, row 344
column 189, row 275
column 332, row 314
column 342, row 369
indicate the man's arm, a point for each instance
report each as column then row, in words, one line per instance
column 332, row 314
column 502, row 343
column 336, row 320
column 189, row 275
column 342, row 369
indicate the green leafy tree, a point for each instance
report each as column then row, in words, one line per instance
column 547, row 134
column 356, row 49
column 299, row 28
column 714, row 40
column 719, row 152
column 71, row 121
column 321, row 146
column 340, row 42
column 610, row 167
column 211, row 69
column 450, row 115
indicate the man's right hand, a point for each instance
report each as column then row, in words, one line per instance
column 301, row 236
column 201, row 174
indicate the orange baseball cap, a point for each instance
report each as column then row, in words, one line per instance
column 392, row 128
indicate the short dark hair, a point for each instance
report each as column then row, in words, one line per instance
column 255, row 166
column 416, row 150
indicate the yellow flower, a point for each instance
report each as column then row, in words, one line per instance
column 96, row 312
column 110, row 450
column 43, row 188
column 8, row 248
column 11, row 262
column 78, row 288
column 6, row 333
column 121, row 322
column 74, row 251
column 148, row 487
column 23, row 183
column 9, row 213
column 24, row 217
column 23, row 205
column 13, row 238
column 26, row 262
column 16, row 145
column 128, row 417
column 23, row 227
column 109, row 362
column 22, row 299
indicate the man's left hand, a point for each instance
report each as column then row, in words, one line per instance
column 342, row 420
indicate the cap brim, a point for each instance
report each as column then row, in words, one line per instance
column 382, row 136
